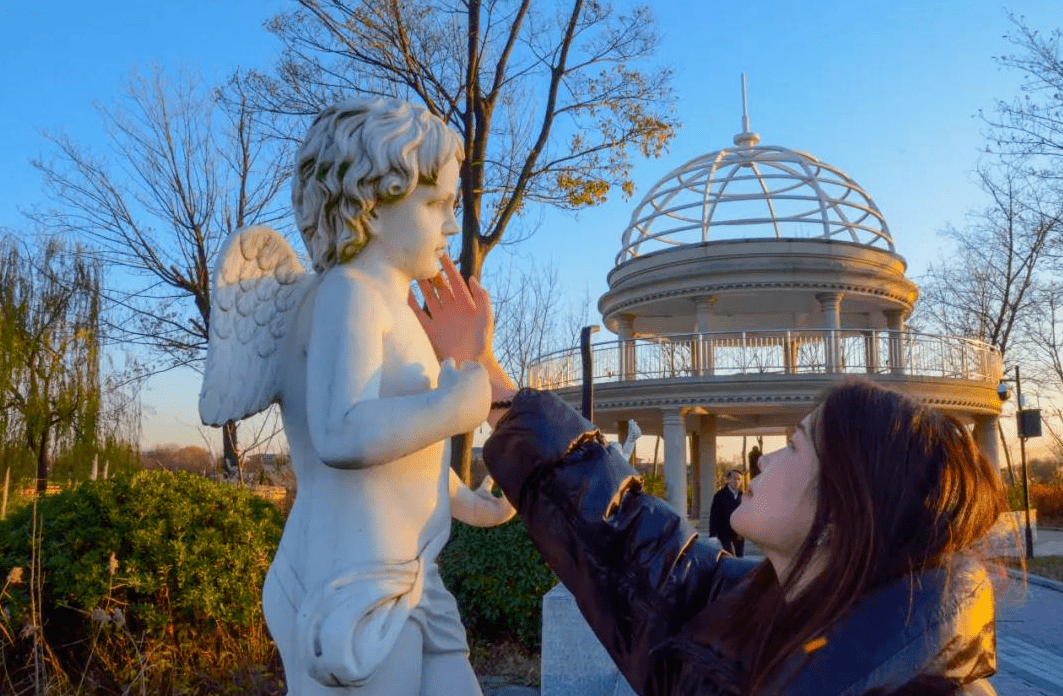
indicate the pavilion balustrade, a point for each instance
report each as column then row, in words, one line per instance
column 777, row 351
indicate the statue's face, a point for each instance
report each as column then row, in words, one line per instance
column 413, row 231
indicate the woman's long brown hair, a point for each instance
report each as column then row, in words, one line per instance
column 901, row 487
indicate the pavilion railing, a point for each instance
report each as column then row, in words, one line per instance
column 778, row 351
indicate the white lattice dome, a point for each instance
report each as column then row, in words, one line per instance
column 752, row 191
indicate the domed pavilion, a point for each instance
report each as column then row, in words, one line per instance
column 750, row 279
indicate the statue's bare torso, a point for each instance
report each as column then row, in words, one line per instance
column 340, row 509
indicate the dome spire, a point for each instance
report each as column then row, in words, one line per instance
column 746, row 138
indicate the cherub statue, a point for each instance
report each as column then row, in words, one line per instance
column 353, row 597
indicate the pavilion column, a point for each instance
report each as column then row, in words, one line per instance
column 675, row 460
column 789, row 355
column 624, row 327
column 871, row 351
column 895, row 324
column 694, row 447
column 707, row 460
column 831, row 304
column 985, row 436
column 703, row 358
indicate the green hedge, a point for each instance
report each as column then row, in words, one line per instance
column 180, row 603
column 172, row 562
column 499, row 580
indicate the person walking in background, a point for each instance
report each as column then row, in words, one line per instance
column 726, row 501
column 754, row 461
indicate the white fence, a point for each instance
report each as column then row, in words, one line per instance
column 780, row 351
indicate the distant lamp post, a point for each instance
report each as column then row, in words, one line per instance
column 1028, row 424
column 588, row 370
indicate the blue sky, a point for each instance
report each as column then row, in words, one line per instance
column 888, row 91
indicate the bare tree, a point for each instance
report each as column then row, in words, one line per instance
column 257, row 434
column 120, row 405
column 533, row 316
column 1030, row 126
column 183, row 174
column 991, row 281
column 992, row 285
column 548, row 97
column 1046, row 332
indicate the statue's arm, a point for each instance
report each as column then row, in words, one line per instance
column 480, row 508
column 350, row 425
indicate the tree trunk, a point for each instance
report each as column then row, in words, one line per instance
column 42, row 462
column 461, row 456
column 1007, row 454
column 656, row 451
column 232, row 465
column 7, row 486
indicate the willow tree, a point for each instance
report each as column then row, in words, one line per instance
column 552, row 99
column 50, row 338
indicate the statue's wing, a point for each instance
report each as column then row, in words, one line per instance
column 257, row 287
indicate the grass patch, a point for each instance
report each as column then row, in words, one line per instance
column 1049, row 522
column 1050, row 567
column 504, row 662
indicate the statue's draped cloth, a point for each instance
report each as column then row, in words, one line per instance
column 346, row 626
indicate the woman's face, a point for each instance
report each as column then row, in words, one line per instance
column 777, row 512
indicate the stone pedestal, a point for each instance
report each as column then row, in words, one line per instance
column 574, row 663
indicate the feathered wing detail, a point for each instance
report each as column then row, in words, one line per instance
column 256, row 291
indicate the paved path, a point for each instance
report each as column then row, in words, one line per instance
column 1029, row 645
column 1030, row 632
column 1049, row 543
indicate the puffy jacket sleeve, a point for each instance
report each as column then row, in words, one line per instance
column 631, row 562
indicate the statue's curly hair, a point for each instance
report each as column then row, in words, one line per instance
column 357, row 154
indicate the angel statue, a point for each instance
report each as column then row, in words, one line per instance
column 353, row 597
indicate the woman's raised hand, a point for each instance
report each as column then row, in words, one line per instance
column 456, row 316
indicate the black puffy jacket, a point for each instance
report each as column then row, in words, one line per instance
column 645, row 583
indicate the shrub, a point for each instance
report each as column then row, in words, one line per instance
column 1015, row 497
column 499, row 580
column 153, row 577
column 1048, row 499
column 654, row 485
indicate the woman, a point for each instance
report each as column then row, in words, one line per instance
column 869, row 520
column 866, row 518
